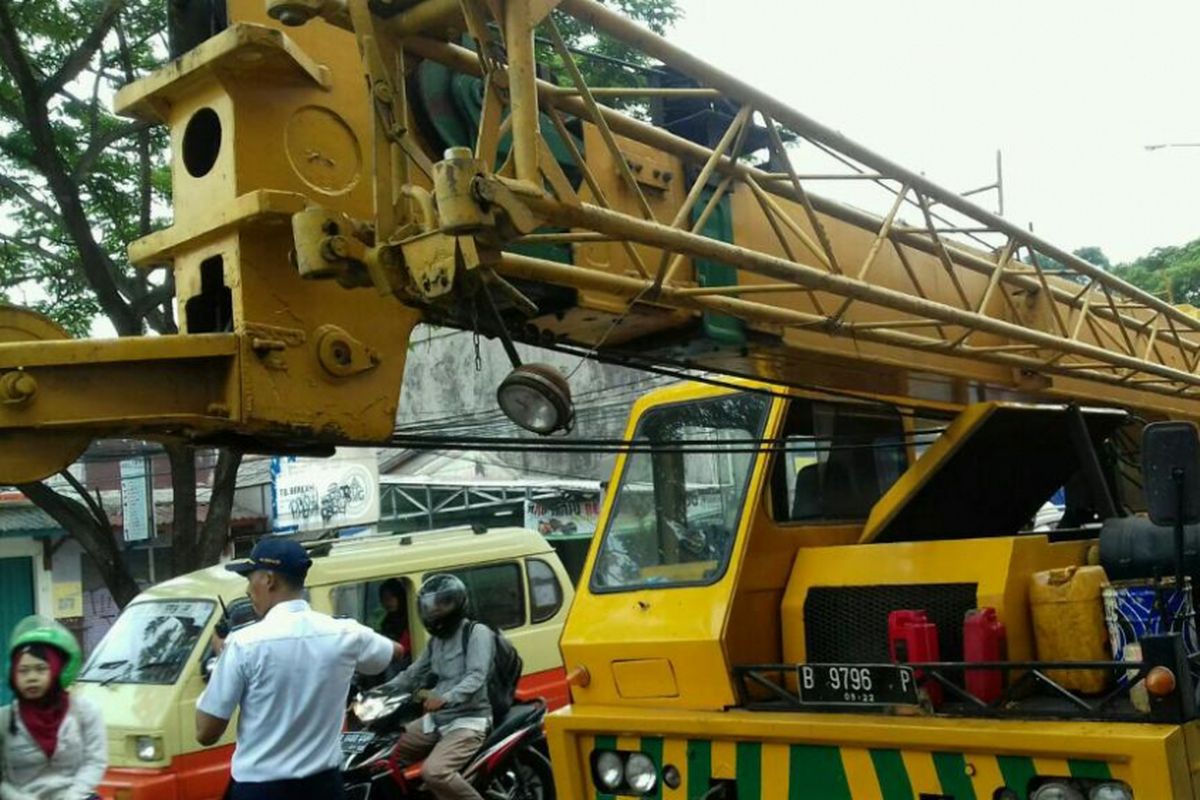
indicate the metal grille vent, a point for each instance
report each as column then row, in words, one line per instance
column 848, row 624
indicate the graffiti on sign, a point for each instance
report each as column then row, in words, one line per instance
column 575, row 513
column 310, row 494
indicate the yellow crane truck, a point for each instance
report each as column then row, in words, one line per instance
column 775, row 606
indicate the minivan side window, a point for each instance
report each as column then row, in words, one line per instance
column 496, row 592
column 545, row 592
column 364, row 602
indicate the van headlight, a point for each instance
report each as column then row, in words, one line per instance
column 640, row 773
column 148, row 748
column 609, row 770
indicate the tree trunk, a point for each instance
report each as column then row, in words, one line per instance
column 183, row 496
column 196, row 546
column 94, row 533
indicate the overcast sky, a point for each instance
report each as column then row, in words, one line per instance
column 1069, row 91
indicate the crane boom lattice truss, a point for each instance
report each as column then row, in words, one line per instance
column 977, row 286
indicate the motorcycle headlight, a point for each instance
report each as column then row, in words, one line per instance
column 640, row 773
column 1056, row 790
column 147, row 748
column 609, row 770
column 369, row 709
column 1111, row 791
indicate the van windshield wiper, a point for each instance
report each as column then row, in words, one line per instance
column 121, row 674
column 131, row 667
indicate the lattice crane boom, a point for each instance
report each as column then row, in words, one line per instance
column 477, row 179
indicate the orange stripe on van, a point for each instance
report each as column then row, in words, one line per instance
column 550, row 685
column 202, row 775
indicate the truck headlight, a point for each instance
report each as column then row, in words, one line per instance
column 1056, row 790
column 1111, row 791
column 609, row 770
column 148, row 748
column 640, row 773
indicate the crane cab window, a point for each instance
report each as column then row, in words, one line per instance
column 681, row 494
column 836, row 461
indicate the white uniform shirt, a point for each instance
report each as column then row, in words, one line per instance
column 290, row 673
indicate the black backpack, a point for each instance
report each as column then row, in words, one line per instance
column 505, row 671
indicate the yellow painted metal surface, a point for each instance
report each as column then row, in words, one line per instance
column 644, row 678
column 1000, row 567
column 681, row 627
column 774, row 756
column 955, row 435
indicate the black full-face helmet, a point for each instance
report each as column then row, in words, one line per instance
column 442, row 604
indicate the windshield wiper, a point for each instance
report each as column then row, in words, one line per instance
column 131, row 667
column 121, row 674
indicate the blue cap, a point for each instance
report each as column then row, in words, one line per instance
column 276, row 555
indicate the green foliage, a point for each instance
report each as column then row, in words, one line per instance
column 77, row 183
column 603, row 60
column 1169, row 272
column 1094, row 255
column 1091, row 254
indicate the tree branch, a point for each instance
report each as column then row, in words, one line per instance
column 13, row 56
column 215, row 530
column 97, row 509
column 152, row 299
column 99, row 541
column 43, row 208
column 98, row 145
column 83, row 54
column 31, row 248
column 95, row 264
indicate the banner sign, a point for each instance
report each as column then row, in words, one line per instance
column 310, row 494
column 569, row 514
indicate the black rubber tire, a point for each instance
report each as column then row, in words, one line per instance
column 535, row 779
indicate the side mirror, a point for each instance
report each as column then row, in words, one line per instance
column 1171, row 473
column 207, row 667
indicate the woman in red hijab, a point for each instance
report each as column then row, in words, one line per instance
column 54, row 745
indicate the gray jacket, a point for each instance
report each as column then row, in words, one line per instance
column 72, row 773
column 458, row 678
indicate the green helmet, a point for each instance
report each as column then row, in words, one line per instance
column 41, row 630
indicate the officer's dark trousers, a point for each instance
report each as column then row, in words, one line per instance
column 325, row 785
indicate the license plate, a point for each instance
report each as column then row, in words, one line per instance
column 856, row 685
column 354, row 742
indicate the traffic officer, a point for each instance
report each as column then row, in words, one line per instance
column 290, row 674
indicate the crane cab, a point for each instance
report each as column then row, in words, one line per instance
column 753, row 531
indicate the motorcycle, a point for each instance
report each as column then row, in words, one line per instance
column 510, row 765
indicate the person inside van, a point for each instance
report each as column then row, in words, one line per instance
column 392, row 618
column 54, row 744
column 457, row 710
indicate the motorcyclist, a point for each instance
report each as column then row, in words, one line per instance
column 52, row 742
column 457, row 711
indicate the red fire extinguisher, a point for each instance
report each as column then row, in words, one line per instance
column 984, row 640
column 912, row 638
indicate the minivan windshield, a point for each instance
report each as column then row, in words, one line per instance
column 149, row 643
column 681, row 494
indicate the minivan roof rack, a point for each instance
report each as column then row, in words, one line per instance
column 318, row 548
